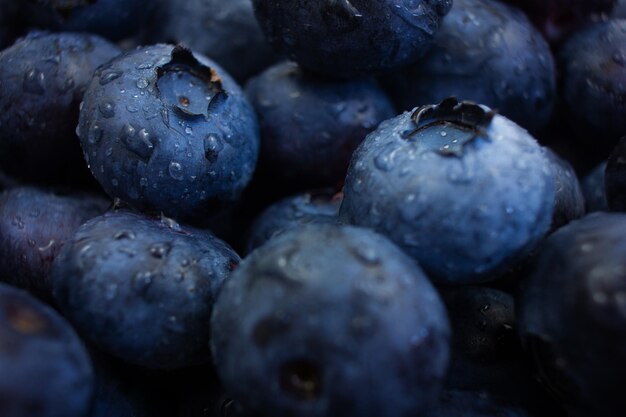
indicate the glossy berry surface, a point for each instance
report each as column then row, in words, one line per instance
column 362, row 332
column 464, row 191
column 342, row 38
column 168, row 131
column 572, row 314
column 45, row 369
column 142, row 289
column 486, row 52
column 311, row 125
column 42, row 81
column 34, row 225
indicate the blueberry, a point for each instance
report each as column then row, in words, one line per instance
column 557, row 18
column 142, row 289
column 42, row 80
column 615, row 178
column 465, row 192
column 487, row 355
column 486, row 52
column 570, row 203
column 345, row 38
column 319, row 207
column 113, row 19
column 45, row 369
column 311, row 125
column 619, row 12
column 34, row 225
column 572, row 316
column 593, row 65
column 457, row 403
column 329, row 320
column 226, row 31
column 594, row 190
column 166, row 130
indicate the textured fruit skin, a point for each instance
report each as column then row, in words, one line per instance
column 572, row 314
column 318, row 207
column 456, row 403
column 594, row 190
column 226, row 31
column 311, row 125
column 570, row 203
column 557, row 18
column 466, row 203
column 615, row 178
column 486, row 52
column 42, row 80
column 161, row 145
column 330, row 320
column 34, row 224
column 142, row 289
column 45, row 369
column 113, row 19
column 342, row 38
column 593, row 66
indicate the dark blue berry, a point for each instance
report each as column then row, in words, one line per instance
column 45, row 370
column 226, row 31
column 486, row 52
column 142, row 289
column 466, row 192
column 329, row 320
column 42, row 80
column 344, row 38
column 166, row 130
column 311, row 125
column 34, row 225
column 572, row 315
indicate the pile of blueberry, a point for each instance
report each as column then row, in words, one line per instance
column 298, row 208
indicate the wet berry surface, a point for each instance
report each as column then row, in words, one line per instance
column 299, row 208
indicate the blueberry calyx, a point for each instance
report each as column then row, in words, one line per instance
column 460, row 121
column 201, row 92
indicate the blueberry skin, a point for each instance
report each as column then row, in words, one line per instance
column 570, row 203
column 572, row 315
column 225, row 31
column 594, row 190
column 34, row 224
column 619, row 12
column 593, row 70
column 486, row 52
column 311, row 125
column 344, row 39
column 142, row 289
column 113, row 19
column 316, row 207
column 557, row 18
column 456, row 403
column 330, row 320
column 465, row 201
column 615, row 178
column 168, row 131
column 45, row 369
column 42, row 80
